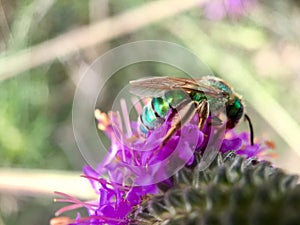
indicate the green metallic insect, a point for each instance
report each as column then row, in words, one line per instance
column 187, row 97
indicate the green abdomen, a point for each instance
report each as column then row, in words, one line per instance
column 153, row 115
column 155, row 112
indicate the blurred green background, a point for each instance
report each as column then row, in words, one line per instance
column 254, row 46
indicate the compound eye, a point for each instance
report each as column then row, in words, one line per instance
column 234, row 112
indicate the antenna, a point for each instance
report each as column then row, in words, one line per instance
column 251, row 129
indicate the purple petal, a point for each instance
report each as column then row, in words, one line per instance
column 231, row 144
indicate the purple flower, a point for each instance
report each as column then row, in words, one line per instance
column 115, row 202
column 134, row 165
column 240, row 144
column 219, row 9
column 143, row 161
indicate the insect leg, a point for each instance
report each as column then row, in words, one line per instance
column 183, row 116
column 203, row 112
column 169, row 134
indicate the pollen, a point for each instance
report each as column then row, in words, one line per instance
column 270, row 144
column 103, row 119
column 60, row 220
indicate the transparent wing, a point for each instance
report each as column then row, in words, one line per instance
column 212, row 148
column 156, row 86
column 207, row 158
column 143, row 91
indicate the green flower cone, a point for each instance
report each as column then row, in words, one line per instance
column 232, row 191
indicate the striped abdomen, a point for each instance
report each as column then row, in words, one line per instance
column 155, row 112
column 153, row 115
